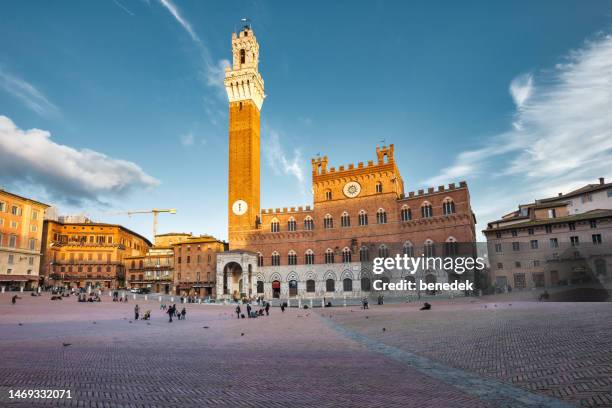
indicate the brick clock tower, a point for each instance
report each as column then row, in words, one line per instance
column 245, row 91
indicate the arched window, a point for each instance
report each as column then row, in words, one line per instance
column 330, row 285
column 364, row 254
column 260, row 286
column 405, row 213
column 242, row 56
column 347, row 285
column 292, row 258
column 426, row 210
column 291, row 224
column 308, row 223
column 345, row 220
column 381, row 216
column 140, row 264
column 133, row 265
column 329, row 256
column 309, row 257
column 328, row 222
column 260, row 259
column 346, row 255
column 383, row 251
column 363, row 218
column 448, row 206
column 328, row 195
column 379, row 188
column 408, row 249
column 428, row 248
column 275, row 259
column 275, row 225
column 310, row 286
column 451, row 247
column 365, row 284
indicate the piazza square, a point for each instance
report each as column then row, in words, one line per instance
column 305, row 204
column 501, row 350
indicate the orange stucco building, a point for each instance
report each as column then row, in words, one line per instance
column 21, row 226
column 81, row 254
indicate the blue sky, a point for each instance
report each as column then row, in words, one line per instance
column 116, row 105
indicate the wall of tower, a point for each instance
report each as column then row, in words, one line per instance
column 244, row 164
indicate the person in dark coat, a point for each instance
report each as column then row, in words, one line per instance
column 248, row 310
column 183, row 314
column 267, row 308
column 170, row 313
column 136, row 312
column 238, row 311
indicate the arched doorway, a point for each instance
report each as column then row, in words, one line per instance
column 276, row 289
column 347, row 285
column 430, row 278
column 232, row 280
column 293, row 287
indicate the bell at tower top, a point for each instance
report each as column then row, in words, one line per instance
column 242, row 80
column 245, row 49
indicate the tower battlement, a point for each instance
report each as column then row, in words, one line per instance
column 431, row 190
column 287, row 210
column 384, row 157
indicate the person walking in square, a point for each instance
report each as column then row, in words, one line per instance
column 183, row 314
column 136, row 312
column 170, row 313
column 238, row 311
column 267, row 308
column 248, row 310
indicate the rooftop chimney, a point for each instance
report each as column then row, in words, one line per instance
column 560, row 194
column 601, row 180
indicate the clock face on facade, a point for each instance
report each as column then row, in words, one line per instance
column 351, row 189
column 239, row 207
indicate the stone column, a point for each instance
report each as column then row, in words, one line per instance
column 230, row 285
column 245, row 282
column 219, row 285
column 268, row 290
column 284, row 290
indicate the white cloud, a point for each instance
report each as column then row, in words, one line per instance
column 171, row 7
column 213, row 72
column 561, row 136
column 187, row 140
column 122, row 7
column 521, row 89
column 28, row 94
column 30, row 157
column 214, row 75
column 281, row 162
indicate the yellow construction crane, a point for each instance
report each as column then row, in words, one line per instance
column 154, row 211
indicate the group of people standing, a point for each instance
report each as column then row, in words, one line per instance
column 117, row 298
column 146, row 316
column 253, row 313
column 172, row 312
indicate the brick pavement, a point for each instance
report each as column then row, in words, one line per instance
column 561, row 350
column 292, row 359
